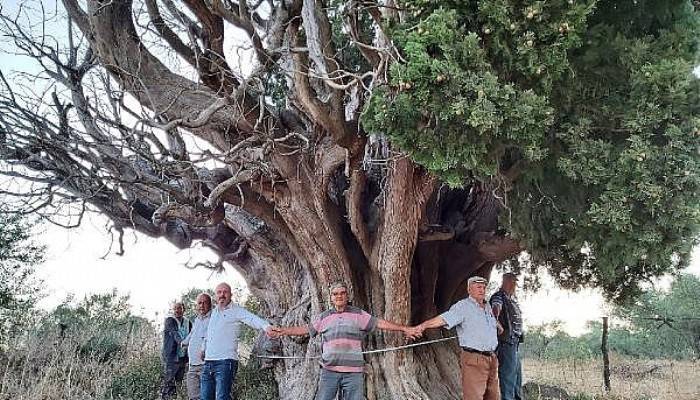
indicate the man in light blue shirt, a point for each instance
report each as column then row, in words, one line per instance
column 220, row 347
column 477, row 332
column 194, row 343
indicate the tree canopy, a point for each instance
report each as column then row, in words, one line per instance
column 595, row 107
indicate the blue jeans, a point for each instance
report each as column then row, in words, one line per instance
column 217, row 379
column 351, row 385
column 510, row 371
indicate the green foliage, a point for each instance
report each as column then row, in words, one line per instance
column 19, row 257
column 103, row 321
column 591, row 105
column 140, row 379
column 663, row 323
column 548, row 341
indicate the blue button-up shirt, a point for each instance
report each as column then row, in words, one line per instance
column 195, row 340
column 223, row 330
column 476, row 325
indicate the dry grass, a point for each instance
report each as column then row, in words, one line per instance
column 630, row 378
column 53, row 369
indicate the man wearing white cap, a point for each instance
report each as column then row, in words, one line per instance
column 477, row 333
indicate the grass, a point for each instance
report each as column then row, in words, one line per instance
column 53, row 367
column 77, row 367
column 631, row 379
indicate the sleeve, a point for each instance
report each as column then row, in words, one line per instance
column 454, row 316
column 170, row 330
column 368, row 322
column 496, row 300
column 186, row 340
column 252, row 320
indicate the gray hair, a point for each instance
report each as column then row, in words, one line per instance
column 337, row 285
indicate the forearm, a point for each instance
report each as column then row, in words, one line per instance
column 436, row 322
column 389, row 326
column 301, row 330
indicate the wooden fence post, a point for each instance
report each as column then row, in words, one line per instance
column 606, row 358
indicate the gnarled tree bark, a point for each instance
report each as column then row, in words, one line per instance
column 292, row 199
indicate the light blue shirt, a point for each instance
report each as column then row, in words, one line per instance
column 224, row 327
column 195, row 340
column 476, row 326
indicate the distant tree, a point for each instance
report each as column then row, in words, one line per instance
column 550, row 341
column 19, row 288
column 100, row 325
column 662, row 322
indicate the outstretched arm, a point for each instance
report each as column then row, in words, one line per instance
column 301, row 330
column 436, row 322
column 410, row 332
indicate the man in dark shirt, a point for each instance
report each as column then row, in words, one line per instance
column 506, row 308
column 175, row 329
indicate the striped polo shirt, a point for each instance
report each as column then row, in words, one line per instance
column 341, row 338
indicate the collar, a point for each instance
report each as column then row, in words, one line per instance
column 205, row 316
column 473, row 300
column 333, row 310
column 227, row 307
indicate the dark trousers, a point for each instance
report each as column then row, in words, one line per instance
column 510, row 371
column 217, row 379
column 173, row 375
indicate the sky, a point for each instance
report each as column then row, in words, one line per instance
column 153, row 273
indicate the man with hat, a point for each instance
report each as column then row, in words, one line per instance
column 476, row 330
column 342, row 329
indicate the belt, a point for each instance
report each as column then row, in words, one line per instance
column 483, row 353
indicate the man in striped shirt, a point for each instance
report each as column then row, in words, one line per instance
column 342, row 329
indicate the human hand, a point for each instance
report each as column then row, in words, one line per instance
column 274, row 331
column 499, row 328
column 413, row 332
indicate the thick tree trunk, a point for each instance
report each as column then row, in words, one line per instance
column 404, row 275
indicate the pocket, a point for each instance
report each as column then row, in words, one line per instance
column 470, row 359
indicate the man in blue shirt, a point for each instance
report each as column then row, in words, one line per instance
column 476, row 329
column 194, row 342
column 220, row 347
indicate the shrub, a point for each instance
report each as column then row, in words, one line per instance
column 140, row 379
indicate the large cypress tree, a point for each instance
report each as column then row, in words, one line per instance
column 401, row 146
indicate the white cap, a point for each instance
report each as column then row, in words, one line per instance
column 477, row 279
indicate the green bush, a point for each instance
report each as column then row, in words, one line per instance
column 141, row 379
